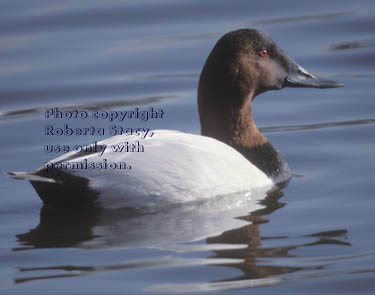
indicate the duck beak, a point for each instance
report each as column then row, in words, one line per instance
column 299, row 77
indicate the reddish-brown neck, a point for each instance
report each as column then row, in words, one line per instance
column 230, row 123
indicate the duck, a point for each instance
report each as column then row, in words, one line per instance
column 230, row 155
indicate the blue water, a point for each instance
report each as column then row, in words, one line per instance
column 314, row 236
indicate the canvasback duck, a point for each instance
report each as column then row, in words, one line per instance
column 230, row 156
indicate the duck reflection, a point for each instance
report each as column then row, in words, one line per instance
column 217, row 221
column 164, row 227
column 254, row 253
column 60, row 228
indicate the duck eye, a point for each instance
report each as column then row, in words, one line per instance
column 263, row 53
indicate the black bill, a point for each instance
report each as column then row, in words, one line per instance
column 299, row 77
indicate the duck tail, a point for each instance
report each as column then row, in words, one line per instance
column 30, row 177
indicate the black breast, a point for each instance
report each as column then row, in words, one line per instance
column 267, row 159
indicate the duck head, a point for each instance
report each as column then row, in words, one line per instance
column 243, row 64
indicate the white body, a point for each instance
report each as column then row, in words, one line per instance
column 175, row 167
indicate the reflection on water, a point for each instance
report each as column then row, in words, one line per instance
column 158, row 227
column 60, row 228
column 240, row 247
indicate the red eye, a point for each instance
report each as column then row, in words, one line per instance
column 264, row 52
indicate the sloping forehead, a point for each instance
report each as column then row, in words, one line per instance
column 246, row 40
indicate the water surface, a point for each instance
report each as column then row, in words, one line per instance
column 313, row 236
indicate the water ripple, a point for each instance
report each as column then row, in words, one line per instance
column 100, row 105
column 353, row 45
column 287, row 128
column 303, row 18
column 76, row 270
